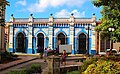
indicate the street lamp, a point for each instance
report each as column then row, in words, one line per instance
column 111, row 29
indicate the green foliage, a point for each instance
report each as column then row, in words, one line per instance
column 103, row 67
column 50, row 53
column 35, row 68
column 87, row 63
column 7, row 56
column 18, row 72
column 110, row 17
column 73, row 72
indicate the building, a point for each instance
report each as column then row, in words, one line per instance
column 103, row 44
column 27, row 34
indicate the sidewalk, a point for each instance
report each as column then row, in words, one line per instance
column 23, row 59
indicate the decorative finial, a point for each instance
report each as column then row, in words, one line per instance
column 72, row 14
column 93, row 13
column 12, row 15
column 31, row 14
column 51, row 14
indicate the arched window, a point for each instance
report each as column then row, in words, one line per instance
column 61, row 39
column 82, row 43
column 40, row 42
column 20, row 43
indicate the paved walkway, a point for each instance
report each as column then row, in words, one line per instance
column 22, row 59
column 25, row 60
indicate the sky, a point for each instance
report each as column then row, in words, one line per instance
column 59, row 9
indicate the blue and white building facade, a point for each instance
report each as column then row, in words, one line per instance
column 26, row 35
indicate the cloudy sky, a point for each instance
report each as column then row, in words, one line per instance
column 59, row 8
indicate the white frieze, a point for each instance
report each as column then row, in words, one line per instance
column 77, row 30
column 45, row 30
column 66, row 30
column 26, row 31
column 16, row 30
column 36, row 30
column 56, row 30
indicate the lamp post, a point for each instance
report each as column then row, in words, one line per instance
column 111, row 29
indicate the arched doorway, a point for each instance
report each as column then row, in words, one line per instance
column 61, row 39
column 20, row 43
column 82, row 44
column 40, row 42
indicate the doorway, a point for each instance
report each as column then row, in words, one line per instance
column 82, row 43
column 20, row 43
column 40, row 42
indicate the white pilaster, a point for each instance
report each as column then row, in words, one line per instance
column 11, row 37
column 50, row 36
column 93, row 40
column 72, row 36
column 30, row 37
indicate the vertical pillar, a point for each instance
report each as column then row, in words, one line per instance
column 92, row 40
column 11, row 39
column 55, row 42
column 75, row 44
column 50, row 36
column 29, row 50
column 14, row 43
column 97, row 42
column 53, row 65
column 45, row 42
column 68, row 40
column 34, row 45
column 72, row 39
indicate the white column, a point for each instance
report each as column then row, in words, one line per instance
column 30, row 38
column 11, row 37
column 93, row 40
column 72, row 37
column 93, row 37
column 50, row 36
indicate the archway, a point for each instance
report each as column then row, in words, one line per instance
column 20, row 43
column 82, row 44
column 61, row 39
column 40, row 42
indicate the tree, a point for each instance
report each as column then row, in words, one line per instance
column 110, row 18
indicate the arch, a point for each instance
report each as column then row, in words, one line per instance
column 61, row 39
column 82, row 31
column 20, row 32
column 20, row 42
column 61, row 32
column 82, row 43
column 40, row 32
column 40, row 42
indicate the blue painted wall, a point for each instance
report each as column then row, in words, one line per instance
column 33, row 50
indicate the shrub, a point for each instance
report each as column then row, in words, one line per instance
column 7, row 56
column 87, row 63
column 34, row 68
column 18, row 72
column 73, row 72
column 103, row 67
